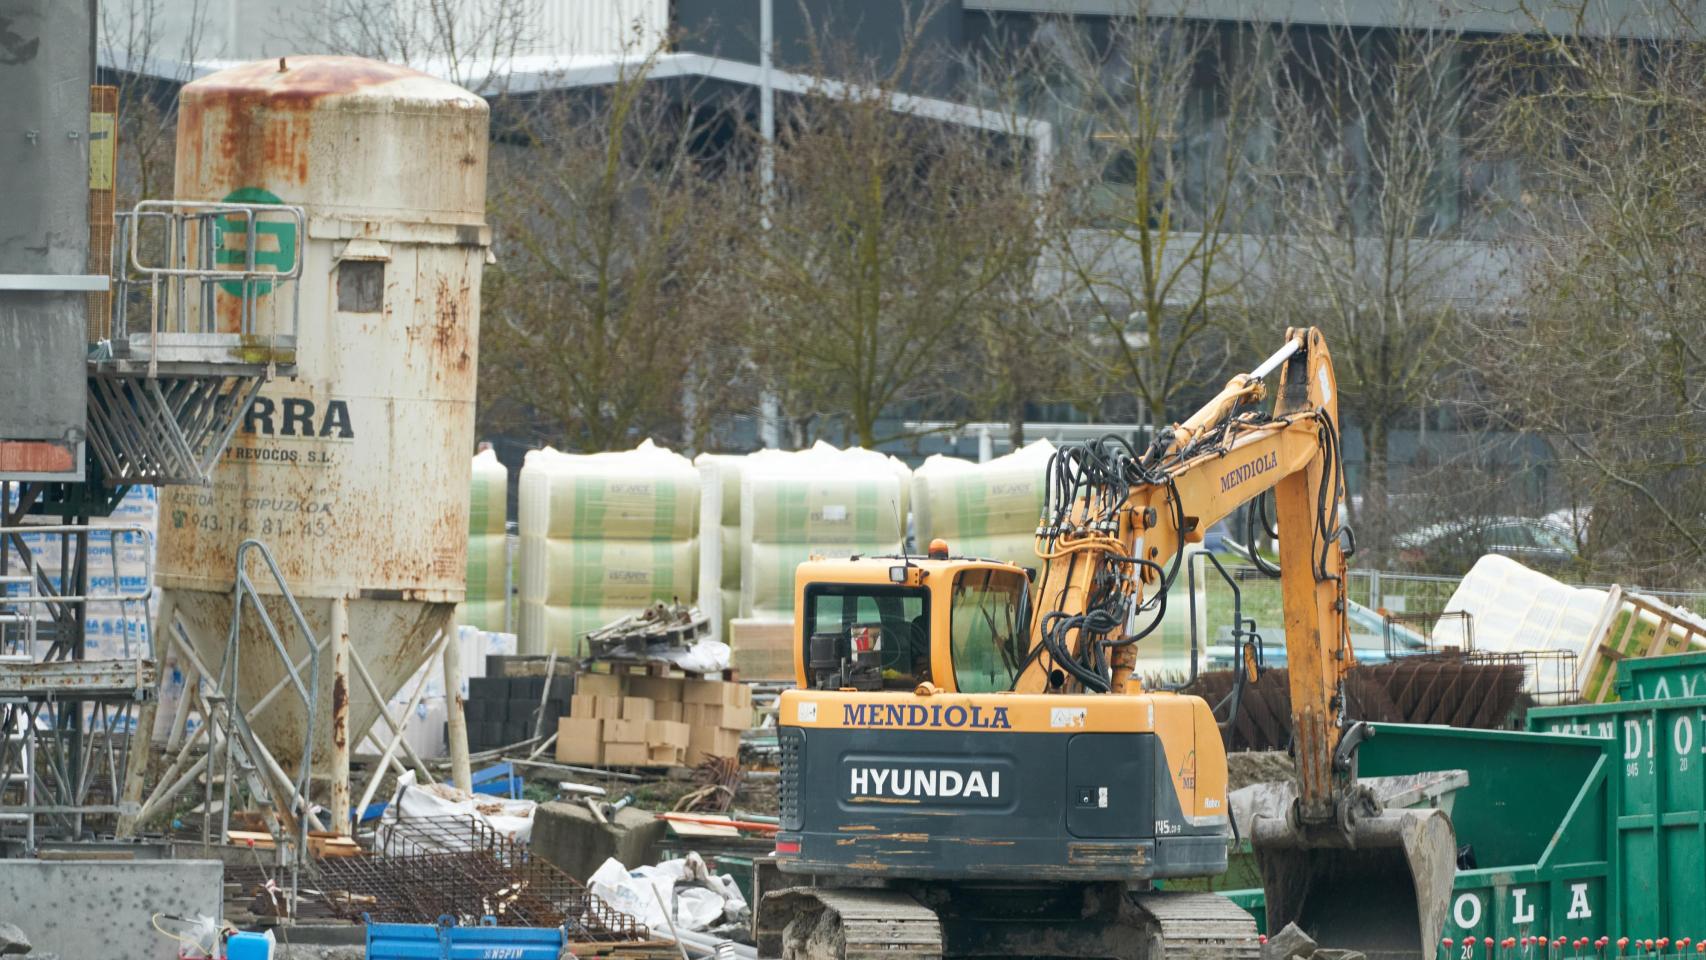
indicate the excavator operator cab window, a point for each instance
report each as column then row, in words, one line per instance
column 898, row 617
column 988, row 629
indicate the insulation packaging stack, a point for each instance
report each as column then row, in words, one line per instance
column 488, row 549
column 986, row 510
column 817, row 502
column 1516, row 610
column 646, row 721
column 120, row 561
column 795, row 505
column 602, row 536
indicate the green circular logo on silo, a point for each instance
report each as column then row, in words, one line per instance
column 274, row 242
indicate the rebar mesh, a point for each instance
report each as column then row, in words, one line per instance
column 427, row 868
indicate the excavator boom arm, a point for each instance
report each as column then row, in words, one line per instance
column 1108, row 551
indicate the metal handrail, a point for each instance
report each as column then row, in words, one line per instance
column 184, row 264
column 63, row 528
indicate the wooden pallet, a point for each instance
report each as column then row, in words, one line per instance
column 654, row 668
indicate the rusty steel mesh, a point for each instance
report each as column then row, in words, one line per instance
column 431, row 867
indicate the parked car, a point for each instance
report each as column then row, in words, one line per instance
column 1543, row 544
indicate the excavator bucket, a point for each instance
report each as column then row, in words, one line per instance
column 1381, row 887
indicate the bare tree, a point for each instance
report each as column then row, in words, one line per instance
column 1159, row 123
column 148, row 68
column 1603, row 356
column 1016, row 347
column 1369, row 132
column 889, row 240
column 473, row 43
column 604, row 319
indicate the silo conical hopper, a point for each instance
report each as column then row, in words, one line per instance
column 355, row 472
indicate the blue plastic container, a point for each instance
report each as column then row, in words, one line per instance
column 447, row 941
column 248, row 946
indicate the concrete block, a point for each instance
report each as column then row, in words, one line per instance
column 1290, row 943
column 102, row 908
column 569, row 837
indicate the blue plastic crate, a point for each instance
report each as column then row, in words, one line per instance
column 445, row 940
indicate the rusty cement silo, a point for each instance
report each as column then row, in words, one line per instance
column 355, row 471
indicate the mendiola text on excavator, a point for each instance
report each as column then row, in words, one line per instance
column 971, row 769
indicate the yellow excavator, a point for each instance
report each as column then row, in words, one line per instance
column 970, row 768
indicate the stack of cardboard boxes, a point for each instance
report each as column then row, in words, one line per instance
column 622, row 721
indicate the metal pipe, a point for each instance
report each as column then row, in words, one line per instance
column 767, row 102
column 1280, row 356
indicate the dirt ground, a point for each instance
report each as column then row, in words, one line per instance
column 1244, row 769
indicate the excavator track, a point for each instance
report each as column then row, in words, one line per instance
column 861, row 925
column 1198, row 926
column 853, row 924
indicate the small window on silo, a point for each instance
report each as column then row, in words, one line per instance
column 361, row 286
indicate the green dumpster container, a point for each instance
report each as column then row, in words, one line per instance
column 1658, row 832
column 1591, row 824
column 1662, row 678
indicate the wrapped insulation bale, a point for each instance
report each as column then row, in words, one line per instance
column 603, row 535
column 488, row 546
column 821, row 501
column 987, row 510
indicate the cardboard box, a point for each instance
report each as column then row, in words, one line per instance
column 668, row 733
column 661, row 689
column 706, row 742
column 717, row 693
column 735, row 718
column 599, row 684
column 587, row 707
column 669, row 710
column 762, row 649
column 627, row 755
column 636, row 708
column 708, row 715
column 580, row 741
column 626, row 731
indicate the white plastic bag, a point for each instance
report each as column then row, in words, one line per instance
column 706, row 656
column 512, row 818
column 641, row 892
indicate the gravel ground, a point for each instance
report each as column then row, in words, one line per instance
column 320, row 953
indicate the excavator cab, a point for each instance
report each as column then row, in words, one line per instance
column 893, row 623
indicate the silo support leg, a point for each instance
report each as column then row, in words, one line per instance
column 340, row 717
column 142, row 739
column 460, row 773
